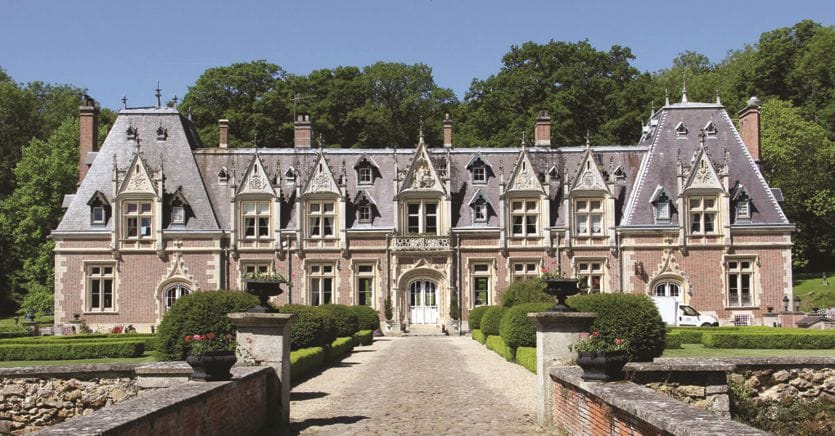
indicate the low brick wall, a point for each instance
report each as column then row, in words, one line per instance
column 582, row 407
column 246, row 404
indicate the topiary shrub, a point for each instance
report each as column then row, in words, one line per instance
column 365, row 337
column 367, row 316
column 672, row 341
column 339, row 348
column 312, row 327
column 516, row 328
column 199, row 313
column 526, row 356
column 476, row 313
column 479, row 336
column 525, row 291
column 306, row 361
column 626, row 316
column 347, row 322
column 810, row 340
column 491, row 320
column 496, row 344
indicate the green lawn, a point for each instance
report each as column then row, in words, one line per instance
column 9, row 322
column 147, row 357
column 813, row 293
column 699, row 350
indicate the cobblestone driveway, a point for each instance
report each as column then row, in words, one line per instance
column 418, row 385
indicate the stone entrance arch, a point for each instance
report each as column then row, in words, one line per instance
column 424, row 294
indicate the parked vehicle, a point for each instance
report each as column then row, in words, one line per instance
column 675, row 314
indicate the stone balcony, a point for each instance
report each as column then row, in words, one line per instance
column 420, row 243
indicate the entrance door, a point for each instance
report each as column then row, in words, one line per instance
column 423, row 302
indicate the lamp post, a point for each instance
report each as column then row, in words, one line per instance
column 796, row 306
column 785, row 303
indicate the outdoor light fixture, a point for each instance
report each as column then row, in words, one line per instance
column 785, row 303
column 796, row 306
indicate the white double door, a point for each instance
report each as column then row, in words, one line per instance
column 423, row 302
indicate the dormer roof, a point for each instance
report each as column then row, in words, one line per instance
column 422, row 175
column 524, row 177
column 321, row 180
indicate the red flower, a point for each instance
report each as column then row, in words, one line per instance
column 618, row 341
column 187, row 338
column 209, row 336
column 596, row 333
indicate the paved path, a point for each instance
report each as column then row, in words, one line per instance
column 418, row 385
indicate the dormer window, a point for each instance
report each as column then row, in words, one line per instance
column 365, row 175
column 162, row 133
column 99, row 209
column 479, row 174
column 710, row 129
column 222, row 176
column 480, row 212
column 290, row 176
column 681, row 130
column 478, row 167
column 138, row 217
column 178, row 214
column 553, row 174
column 131, row 133
column 97, row 216
column 662, row 207
column 620, row 174
column 743, row 207
column 364, row 213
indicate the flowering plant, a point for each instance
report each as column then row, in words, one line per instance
column 593, row 342
column 549, row 274
column 200, row 344
column 266, row 276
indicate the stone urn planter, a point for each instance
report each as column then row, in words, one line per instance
column 560, row 289
column 602, row 365
column 263, row 289
column 212, row 365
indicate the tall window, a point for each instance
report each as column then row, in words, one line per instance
column 703, row 212
column 479, row 173
column 740, row 273
column 137, row 219
column 422, row 217
column 321, row 218
column 365, row 285
column 743, row 207
column 667, row 289
column 588, row 215
column 480, row 279
column 174, row 292
column 525, row 270
column 591, row 275
column 365, row 176
column 97, row 215
column 480, row 210
column 256, row 219
column 523, row 216
column 364, row 213
column 662, row 207
column 100, row 287
column 320, row 279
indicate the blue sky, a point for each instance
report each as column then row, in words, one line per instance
column 116, row 48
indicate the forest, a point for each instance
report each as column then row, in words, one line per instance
column 587, row 91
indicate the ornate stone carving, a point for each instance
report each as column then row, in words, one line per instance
column 421, row 243
column 422, row 178
column 256, row 182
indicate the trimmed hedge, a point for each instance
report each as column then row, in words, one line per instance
column 50, row 350
column 150, row 340
column 526, row 356
column 496, row 343
column 693, row 335
column 688, row 336
column 474, row 320
column 339, row 348
column 776, row 340
column 199, row 313
column 478, row 335
column 365, row 337
column 627, row 316
column 347, row 322
column 525, row 291
column 672, row 340
column 367, row 317
column 306, row 361
column 516, row 329
column 312, row 327
column 491, row 320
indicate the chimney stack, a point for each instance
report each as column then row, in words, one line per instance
column 542, row 130
column 447, row 131
column 304, row 133
column 749, row 127
column 223, row 127
column 88, row 137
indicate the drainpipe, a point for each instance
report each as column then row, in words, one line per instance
column 458, row 274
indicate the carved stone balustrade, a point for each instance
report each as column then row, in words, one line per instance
column 420, row 243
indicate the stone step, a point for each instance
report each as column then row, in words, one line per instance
column 424, row 330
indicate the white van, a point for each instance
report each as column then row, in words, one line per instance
column 675, row 314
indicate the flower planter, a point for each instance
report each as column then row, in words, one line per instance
column 602, row 365
column 263, row 289
column 212, row 365
column 560, row 289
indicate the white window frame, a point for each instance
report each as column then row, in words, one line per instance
column 253, row 219
column 365, row 175
column 178, row 214
column 422, row 215
column 586, row 216
column 94, row 219
column 481, row 271
column 738, row 270
column 97, row 276
column 479, row 174
column 663, row 212
column 142, row 217
column 701, row 213
column 367, row 273
column 590, row 269
column 318, row 276
column 364, row 209
column 524, row 217
column 524, row 269
column 480, row 211
column 179, row 289
column 667, row 289
column 318, row 216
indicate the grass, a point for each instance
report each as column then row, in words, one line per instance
column 699, row 350
column 813, row 293
column 10, row 321
column 148, row 356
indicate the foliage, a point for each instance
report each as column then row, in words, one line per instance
column 516, row 328
column 491, row 320
column 306, row 361
column 813, row 291
column 387, row 311
column 199, row 345
column 267, row 276
column 594, row 342
column 478, row 335
column 367, row 317
column 547, row 274
column 525, row 291
column 39, row 301
column 55, row 350
column 801, row 416
column 632, row 318
column 496, row 343
column 454, row 311
column 347, row 322
column 366, row 337
column 474, row 321
column 339, row 348
column 775, row 340
column 199, row 313
column 312, row 327
column 672, row 341
column 526, row 356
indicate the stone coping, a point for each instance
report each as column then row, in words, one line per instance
column 109, row 370
column 748, row 361
column 657, row 410
column 679, row 366
column 120, row 417
column 164, row 368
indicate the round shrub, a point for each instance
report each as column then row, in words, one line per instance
column 491, row 319
column 199, row 313
column 627, row 316
column 525, row 291
column 475, row 317
column 347, row 322
column 312, row 327
column 367, row 316
column 516, row 328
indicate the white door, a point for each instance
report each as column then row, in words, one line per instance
column 423, row 302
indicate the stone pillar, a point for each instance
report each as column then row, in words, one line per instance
column 555, row 333
column 264, row 339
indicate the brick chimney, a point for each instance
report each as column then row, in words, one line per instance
column 223, row 126
column 304, row 133
column 447, row 131
column 749, row 127
column 88, row 137
column 542, row 130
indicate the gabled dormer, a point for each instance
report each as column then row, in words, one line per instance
column 662, row 205
column 703, row 196
column 322, row 203
column 525, row 200
column 99, row 209
column 138, row 204
column 422, row 177
column 589, row 177
column 480, row 169
column 255, row 180
column 591, row 201
column 423, row 201
column 367, row 170
column 742, row 206
column 255, row 209
column 480, row 208
column 322, row 180
column 178, row 209
column 366, row 208
column 703, row 175
column 524, row 178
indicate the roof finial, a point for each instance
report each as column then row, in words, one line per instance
column 588, row 138
column 666, row 97
column 320, row 140
column 124, row 102
column 175, row 100
column 420, row 133
column 718, row 100
column 158, row 94
column 523, row 139
column 684, row 89
column 702, row 137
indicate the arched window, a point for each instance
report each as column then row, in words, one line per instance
column 174, row 292
column 667, row 289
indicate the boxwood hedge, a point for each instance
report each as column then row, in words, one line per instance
column 526, row 356
column 339, row 348
column 775, row 340
column 365, row 337
column 672, row 340
column 368, row 318
column 347, row 322
column 474, row 321
column 313, row 326
column 496, row 344
column 306, row 361
column 491, row 320
column 68, row 350
column 516, row 328
column 525, row 291
column 479, row 336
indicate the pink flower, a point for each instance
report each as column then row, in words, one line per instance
column 197, row 338
column 618, row 341
column 596, row 334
